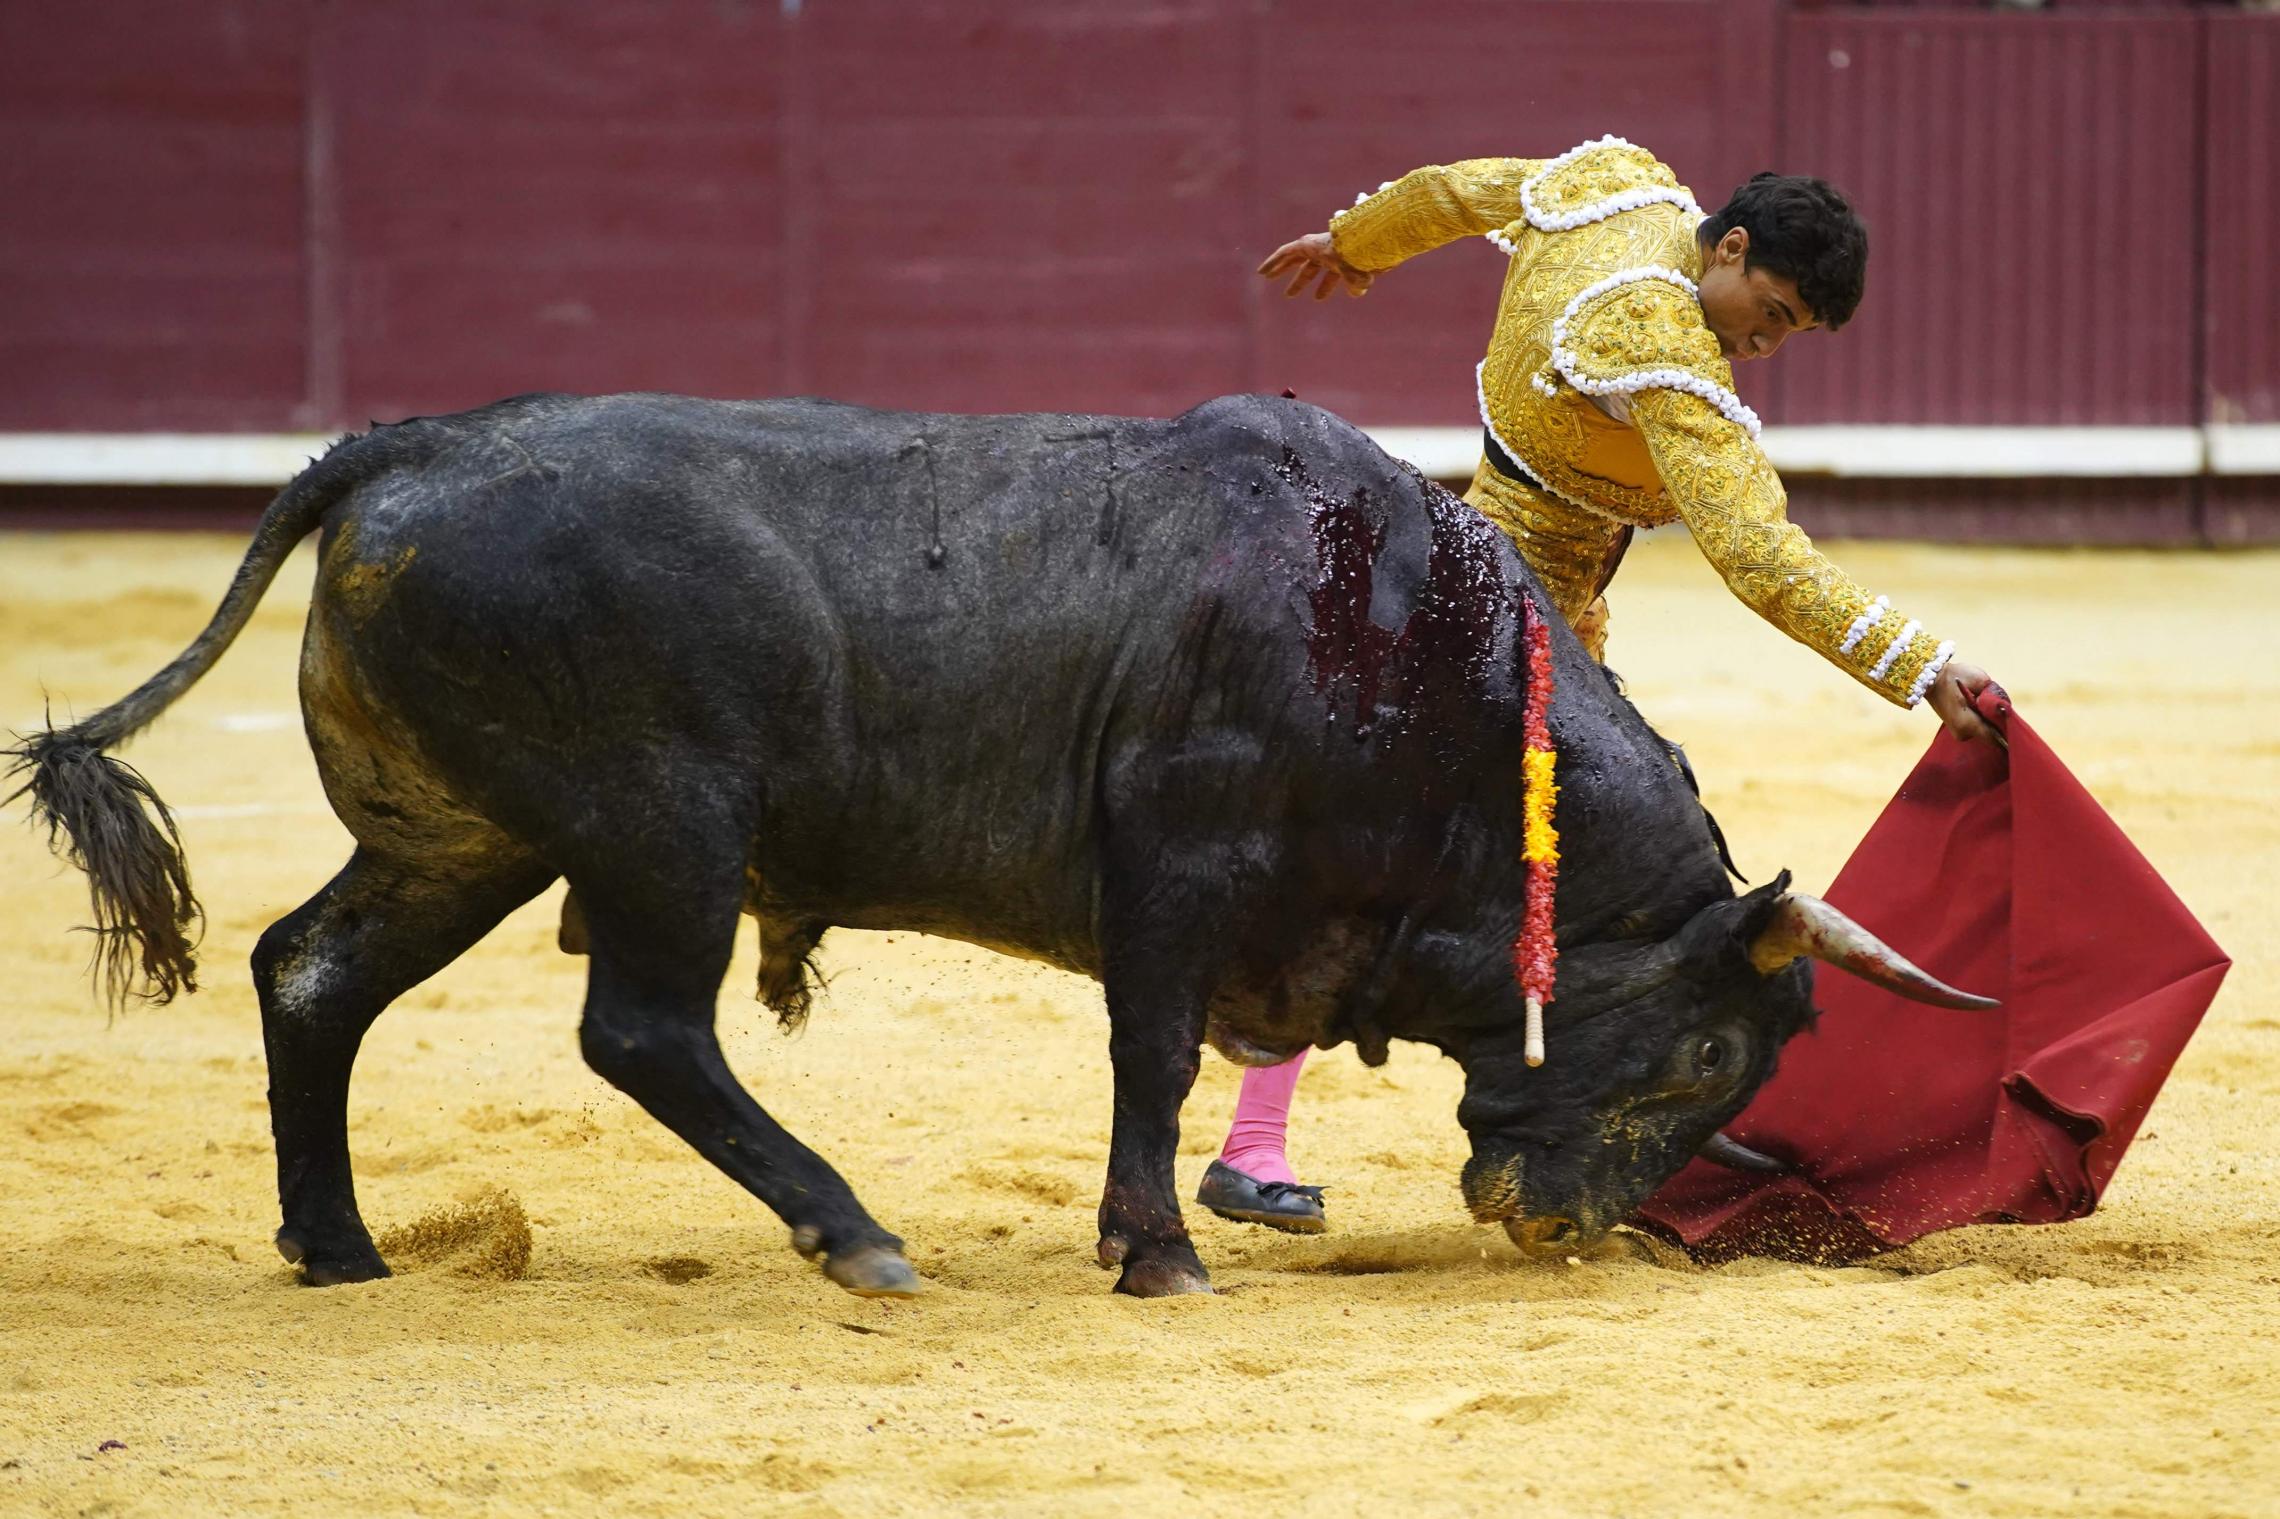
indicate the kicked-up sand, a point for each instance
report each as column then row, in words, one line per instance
column 590, row 1319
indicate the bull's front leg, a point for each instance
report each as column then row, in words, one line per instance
column 1155, row 1039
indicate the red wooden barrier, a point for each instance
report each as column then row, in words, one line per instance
column 152, row 267
column 274, row 214
column 2029, row 182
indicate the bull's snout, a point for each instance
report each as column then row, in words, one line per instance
column 1491, row 1185
column 1545, row 1234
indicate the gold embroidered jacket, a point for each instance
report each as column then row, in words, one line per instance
column 1605, row 384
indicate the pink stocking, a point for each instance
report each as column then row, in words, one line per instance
column 1262, row 1114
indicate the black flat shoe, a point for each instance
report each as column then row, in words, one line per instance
column 1283, row 1205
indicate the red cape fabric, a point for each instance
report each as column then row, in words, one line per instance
column 2000, row 875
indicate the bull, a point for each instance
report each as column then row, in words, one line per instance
column 1224, row 711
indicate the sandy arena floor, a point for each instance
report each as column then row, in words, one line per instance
column 606, row 1325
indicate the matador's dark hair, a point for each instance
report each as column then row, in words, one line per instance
column 1801, row 229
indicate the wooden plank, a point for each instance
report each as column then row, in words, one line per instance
column 1027, row 207
column 2241, row 207
column 534, row 196
column 2028, row 184
column 150, row 247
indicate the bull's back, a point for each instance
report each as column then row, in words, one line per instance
column 914, row 633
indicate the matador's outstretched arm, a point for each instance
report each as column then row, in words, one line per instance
column 1732, row 501
column 1428, row 208
column 1414, row 214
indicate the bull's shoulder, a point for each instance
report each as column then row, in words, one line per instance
column 1280, row 429
column 1279, row 419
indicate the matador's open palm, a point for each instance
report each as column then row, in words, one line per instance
column 1315, row 262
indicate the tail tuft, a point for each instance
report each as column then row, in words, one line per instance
column 102, row 816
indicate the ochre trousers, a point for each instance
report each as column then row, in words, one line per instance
column 1570, row 551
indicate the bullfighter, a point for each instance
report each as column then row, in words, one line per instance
column 1607, row 404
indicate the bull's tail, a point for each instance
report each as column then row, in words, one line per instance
column 99, row 812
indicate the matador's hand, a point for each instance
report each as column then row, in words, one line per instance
column 1315, row 258
column 1952, row 695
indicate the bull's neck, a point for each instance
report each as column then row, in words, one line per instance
column 1636, row 854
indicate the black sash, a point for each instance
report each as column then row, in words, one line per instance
column 1511, row 469
column 1502, row 462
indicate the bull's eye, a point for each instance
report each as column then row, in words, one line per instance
column 1710, row 1056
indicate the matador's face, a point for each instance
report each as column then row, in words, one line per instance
column 1751, row 310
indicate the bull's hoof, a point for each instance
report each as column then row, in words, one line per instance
column 872, row 1271
column 323, row 1267
column 1164, row 1276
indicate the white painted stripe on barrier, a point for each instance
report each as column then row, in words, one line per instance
column 1937, row 453
column 1984, row 453
column 156, row 458
column 2244, row 448
column 1897, row 452
column 1443, row 453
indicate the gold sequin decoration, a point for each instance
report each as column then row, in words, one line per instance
column 1589, row 178
column 1713, row 476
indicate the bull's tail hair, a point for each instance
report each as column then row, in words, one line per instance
column 102, row 816
column 99, row 812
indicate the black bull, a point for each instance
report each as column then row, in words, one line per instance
column 1223, row 711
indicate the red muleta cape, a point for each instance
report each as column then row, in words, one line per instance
column 1999, row 874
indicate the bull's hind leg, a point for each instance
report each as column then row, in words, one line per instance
column 659, row 926
column 324, row 973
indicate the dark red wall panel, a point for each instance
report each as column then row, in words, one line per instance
column 527, row 196
column 2113, row 513
column 2030, row 186
column 1016, row 206
column 2241, row 248
column 1352, row 94
column 267, row 214
column 2241, row 511
column 151, row 271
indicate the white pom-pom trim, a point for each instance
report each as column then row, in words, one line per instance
column 1503, row 244
column 1862, row 623
column 1363, row 196
column 1895, row 649
column 1571, row 367
column 1930, row 673
column 1622, row 200
column 1480, row 393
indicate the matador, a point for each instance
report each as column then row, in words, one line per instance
column 1607, row 404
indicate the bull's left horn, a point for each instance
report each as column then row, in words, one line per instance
column 1736, row 1156
column 1805, row 925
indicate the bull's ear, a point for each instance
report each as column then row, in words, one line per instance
column 1758, row 908
column 1716, row 941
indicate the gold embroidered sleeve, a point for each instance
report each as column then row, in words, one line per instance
column 1428, row 207
column 1731, row 499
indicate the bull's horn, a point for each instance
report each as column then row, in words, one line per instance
column 1736, row 1156
column 1805, row 925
